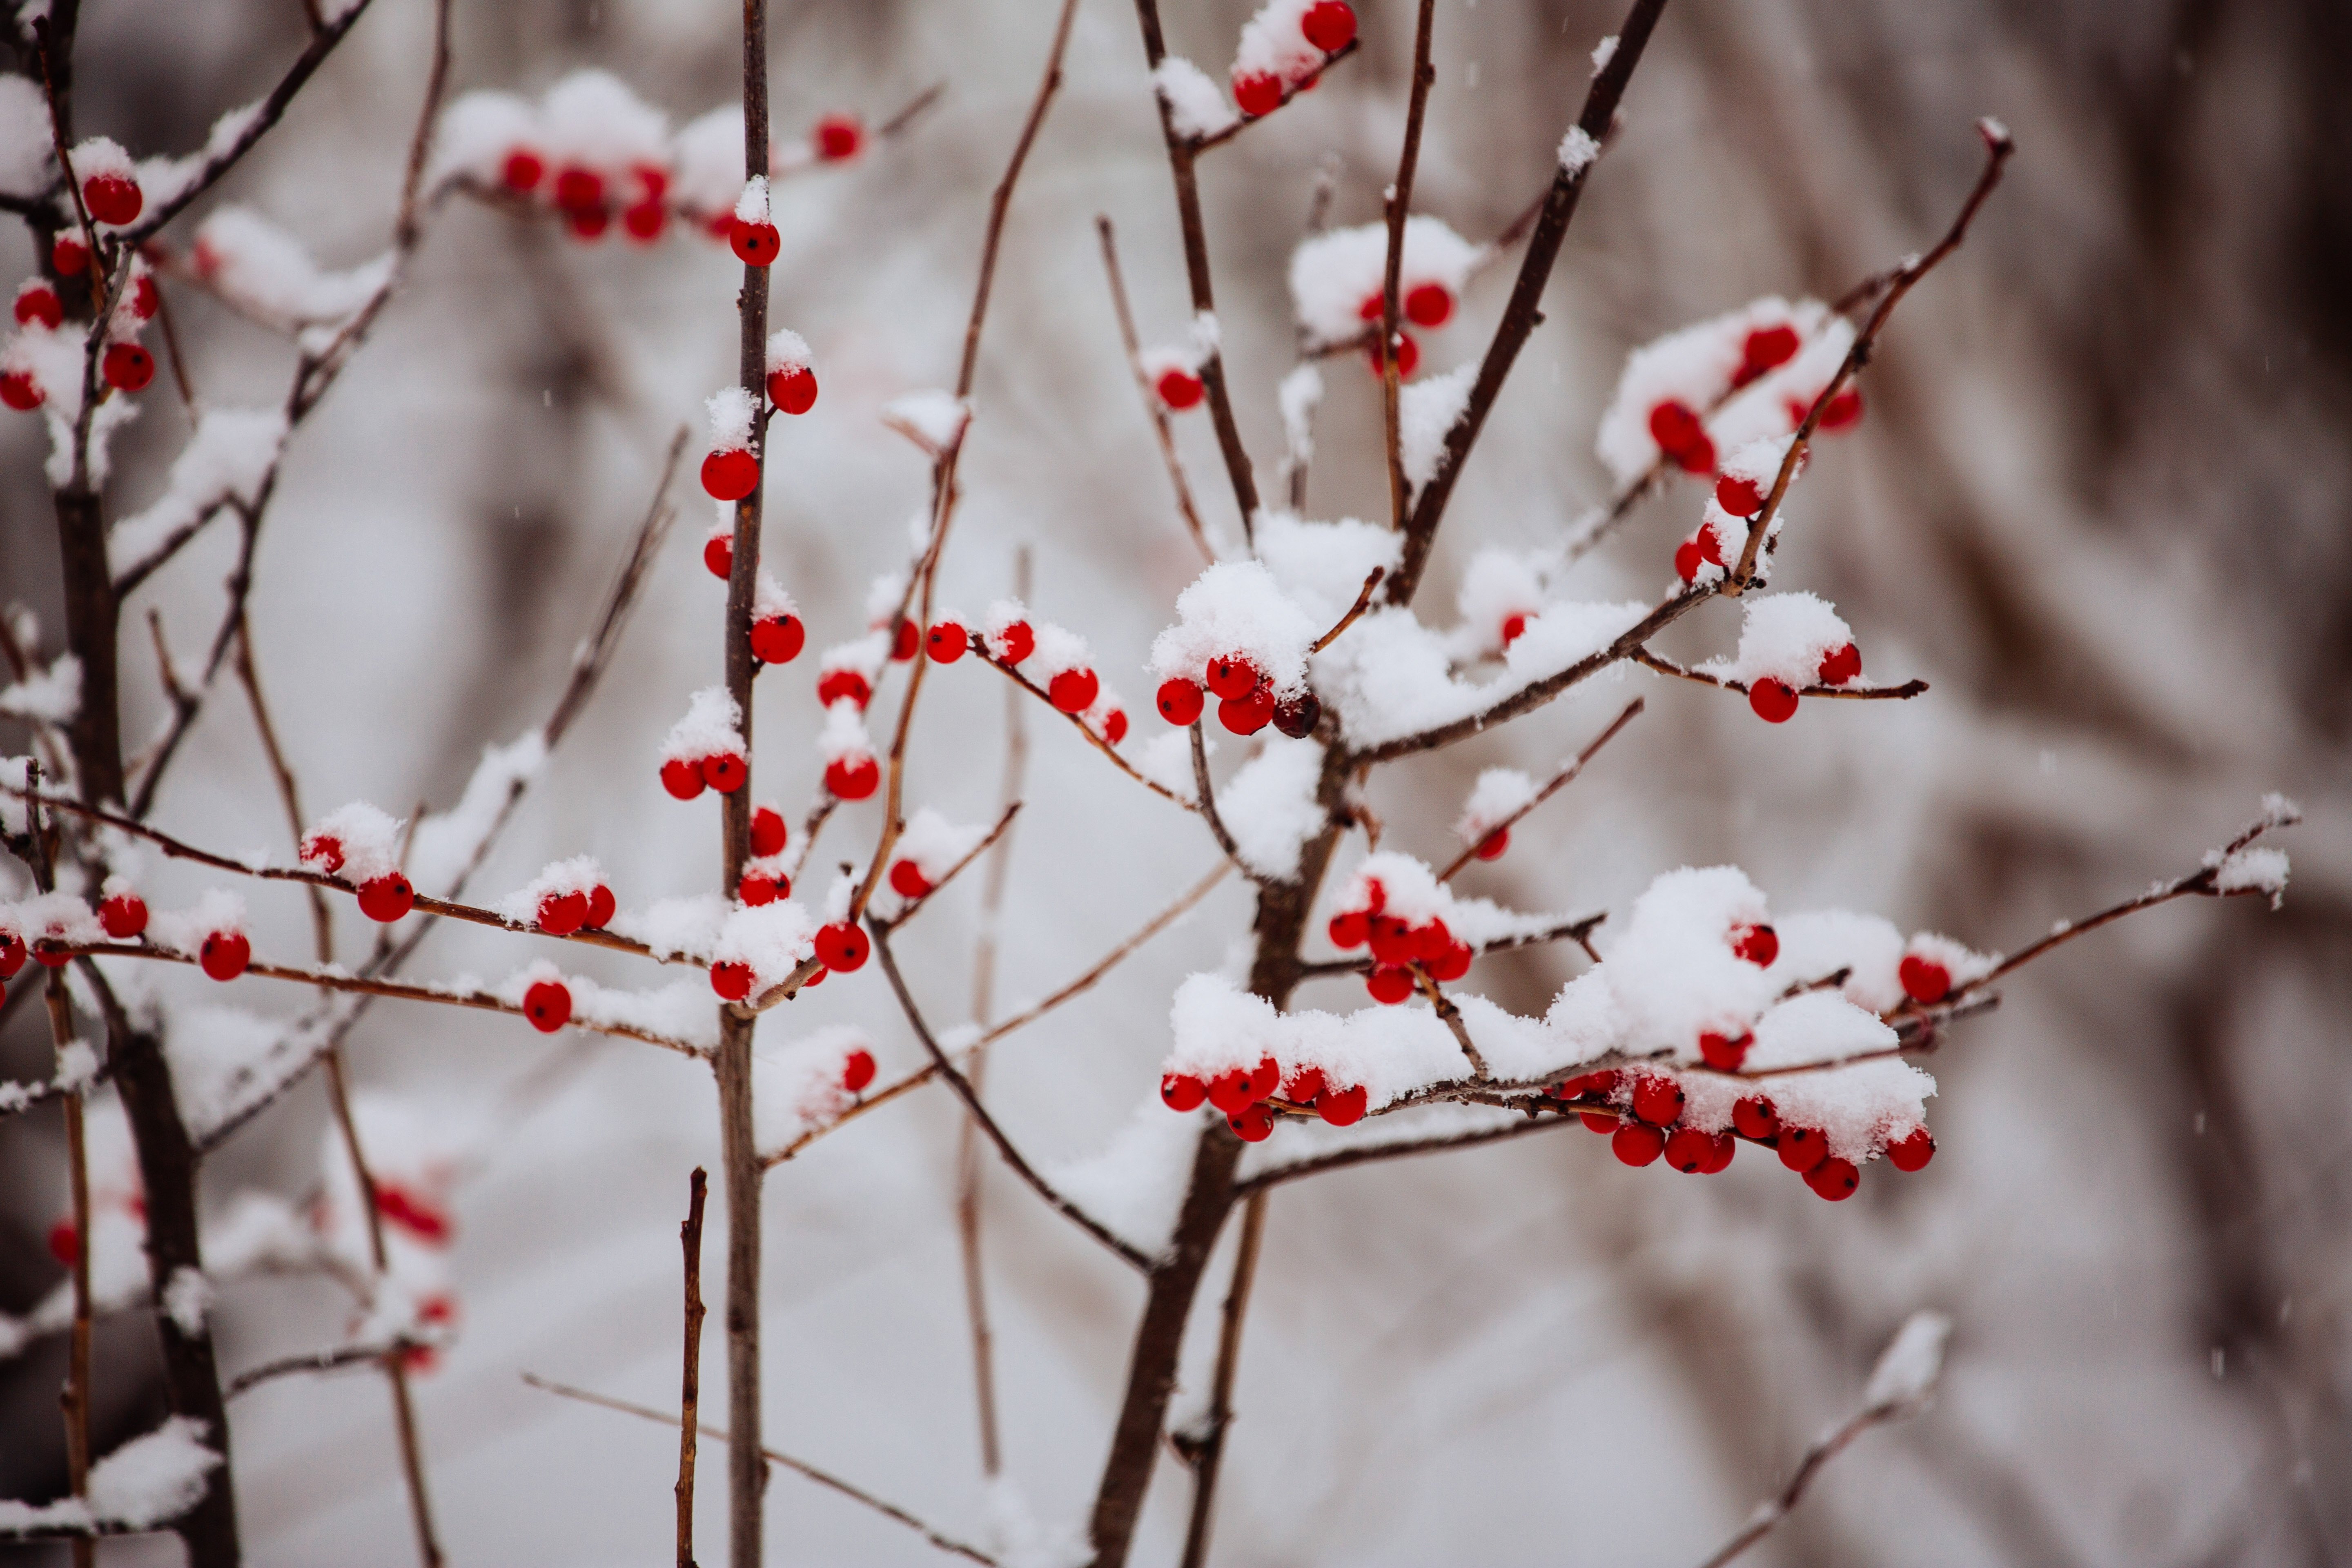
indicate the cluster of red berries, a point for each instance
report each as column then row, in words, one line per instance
column 841, row 947
column 1649, row 1130
column 1245, row 1096
column 586, row 199
column 685, row 777
column 126, row 365
column 1328, row 25
column 1246, row 699
column 384, row 899
column 1399, row 947
column 560, row 914
column 1774, row 701
column 1429, row 305
column 1676, row 426
column 1071, row 690
column 760, row 885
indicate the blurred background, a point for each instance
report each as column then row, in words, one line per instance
column 2100, row 499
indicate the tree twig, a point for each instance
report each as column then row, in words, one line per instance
column 1908, row 689
column 1152, row 408
column 1363, row 602
column 690, row 1235
column 1551, row 787
column 1206, row 1450
column 1400, row 202
column 1208, row 798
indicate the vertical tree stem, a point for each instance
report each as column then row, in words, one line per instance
column 689, row 1395
column 76, row 1398
column 1211, row 1451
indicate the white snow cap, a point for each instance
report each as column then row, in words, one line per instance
column 1333, row 275
column 1499, row 794
column 935, row 844
column 866, row 655
column 797, row 1086
column 708, row 156
column 1269, row 806
column 1237, row 607
column 1602, row 53
column 580, row 874
column 1426, row 411
column 1321, row 566
column 731, row 417
column 1300, row 394
column 712, row 727
column 2257, row 868
column 769, row 600
column 595, row 119
column 844, row 734
column 787, row 349
column 1058, row 648
column 1497, row 584
column 1196, row 104
column 1697, row 366
column 771, row 938
column 930, row 419
column 370, row 839
column 1578, row 150
column 48, row 695
column 261, row 269
column 54, row 917
column 99, row 155
column 233, row 451
column 1273, row 43
column 477, row 132
column 1784, row 636
column 751, row 206
column 25, row 143
column 184, row 931
column 1911, row 1362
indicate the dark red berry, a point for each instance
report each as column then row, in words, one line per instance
column 1843, row 413
column 1601, row 1122
column 1686, row 559
column 65, row 1243
column 1802, row 1148
column 547, row 1005
column 1230, row 1092
column 1348, row 929
column 1834, row 1179
column 842, row 946
column 835, row 684
column 1303, row 1086
column 905, row 641
column 1636, row 1144
column 682, row 778
column 1774, row 699
column 1299, row 717
column 1682, row 436
column 644, row 221
column 1912, row 1150
column 1181, row 1091
column 386, row 898
column 1428, row 305
column 1233, row 676
column 1114, row 726
column 522, row 170
column 69, row 255
column 20, row 392
column 112, row 198
column 719, row 551
column 1492, row 847
column 1740, row 498
column 39, row 303
column 1924, row 981
column 1408, row 356
column 577, row 188
column 1514, row 627
column 588, row 224
column 1758, row 944
column 1255, row 1124
column 1393, row 940
column 769, row 832
column 1688, row 1150
column 757, row 888
column 128, row 367
column 601, row 907
column 1767, row 348
column 838, row 136
column 12, row 955
column 857, row 1069
column 1265, row 1077
column 1247, row 715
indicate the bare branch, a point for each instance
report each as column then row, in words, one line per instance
column 1551, row 787
column 1400, row 202
column 1363, row 601
column 1153, row 407
column 690, row 1235
column 1208, row 798
column 1905, row 692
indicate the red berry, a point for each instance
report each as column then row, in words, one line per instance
column 1408, row 356
column 1257, row 93
column 1233, row 676
column 731, row 981
column 905, row 641
column 1303, row 1086
column 838, row 136
column 225, row 954
column 857, row 1069
column 69, row 255
column 1601, row 1122
column 947, row 641
column 1636, row 1144
column 144, row 299
column 386, row 898
column 112, row 198
column 1074, row 690
column 1689, row 1151
column 1724, row 1052
column 50, row 953
column 726, row 772
column 842, row 947
column 547, row 1005
column 1431, row 942
column 907, row 880
column 1376, row 896
column 769, row 833
column 1230, row 1092
column 1912, row 1150
column 1686, row 559
column 729, row 475
column 1657, row 1100
column 124, row 916
column 682, row 778
column 1341, row 1106
column 778, row 639
column 588, row 224
column 1767, row 348
column 522, row 170
column 12, row 955
column 794, row 390
column 1015, row 642
column 1758, row 944
column 853, row 777
column 20, row 392
column 1841, row 664
column 1774, row 699
column 1114, row 726
column 1493, row 846
column 1390, row 986
column 601, row 907
column 577, row 188
column 1181, row 1091
column 1428, row 305
column 414, row 1214
column 1253, row 1124
column 1924, row 981
column 560, row 914
column 719, row 551
column 1834, row 1179
column 757, row 888
column 324, row 850
column 835, row 684
column 1297, row 716
column 1452, row 964
column 754, row 244
column 1681, row 436
column 1802, row 1148
column 1265, row 1077
column 645, row 220
column 1180, row 389
column 39, row 303
column 1247, row 715
column 1843, row 413
column 128, row 367
column 1740, row 498
column 1719, row 1158
column 65, row 1243
column 1348, row 929
column 1514, row 627
column 1393, row 940
column 1329, row 25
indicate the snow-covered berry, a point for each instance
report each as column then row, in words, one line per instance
column 837, row 137
column 1912, row 1150
column 1182, row 1091
column 853, row 777
column 1114, row 726
column 37, row 301
column 1247, row 715
column 547, row 1005
column 758, row 888
column 69, row 255
column 1758, row 944
column 1341, row 1106
column 730, row 473
column 905, row 641
column 1658, row 1101
column 835, row 684
column 1765, row 349
column 112, row 198
column 857, row 1069
column 127, row 367
column 1773, row 699
column 726, row 772
column 1298, row 716
column 682, row 777
column 601, row 907
column 754, row 244
column 946, row 641
column 1740, row 496
column 1495, row 844
column 1724, row 1052
column 124, row 916
column 1180, row 388
column 1301, row 1087
column 907, row 880
column 1924, row 981
column 770, row 831
column 1232, row 676
column 1451, row 964
column 145, row 300
column 792, row 389
column 1257, row 93
column 20, row 392
column 1015, row 642
column 560, row 914
column 1841, row 664
column 225, row 954
column 386, row 898
column 1074, row 690
column 778, row 639
column 731, row 981
column 1408, row 356
column 842, row 946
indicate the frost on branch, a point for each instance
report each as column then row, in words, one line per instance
column 1578, row 150
column 1425, row 412
column 1911, row 1364
column 225, row 462
column 148, row 1481
column 265, row 271
column 1337, row 278
column 1196, row 105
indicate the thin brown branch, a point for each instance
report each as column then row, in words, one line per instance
column 76, row 1398
column 1054, row 1200
column 1003, row 826
column 1773, row 1510
column 1399, row 203
column 798, row 1467
column 915, row 107
column 1100, row 745
column 1452, row 1016
column 1521, row 316
column 1998, row 148
column 335, row 1359
column 1908, row 689
column 1363, row 602
column 1208, row 799
column 1152, row 408
column 1205, row 1451
column 690, row 1235
column 1551, row 787
column 1575, row 930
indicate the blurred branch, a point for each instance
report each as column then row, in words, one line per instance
column 1208, row 799
column 1205, row 1449
column 1152, row 408
column 1397, row 202
column 689, row 1236
column 1093, row 740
